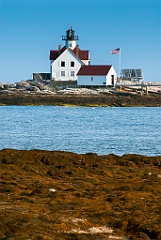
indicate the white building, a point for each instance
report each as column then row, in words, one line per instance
column 66, row 62
column 134, row 75
column 97, row 75
column 72, row 63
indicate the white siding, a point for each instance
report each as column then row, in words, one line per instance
column 91, row 80
column 56, row 68
column 109, row 76
column 98, row 80
column 71, row 44
column 86, row 62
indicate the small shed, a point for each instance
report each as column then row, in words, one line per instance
column 97, row 75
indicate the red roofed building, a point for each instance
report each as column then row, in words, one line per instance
column 97, row 75
column 72, row 63
column 65, row 62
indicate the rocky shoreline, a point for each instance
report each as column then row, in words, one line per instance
column 67, row 93
column 61, row 195
column 118, row 99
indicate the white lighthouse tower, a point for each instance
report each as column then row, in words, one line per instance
column 70, row 39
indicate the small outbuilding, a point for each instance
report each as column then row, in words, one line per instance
column 97, row 75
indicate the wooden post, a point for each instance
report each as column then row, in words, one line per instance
column 141, row 90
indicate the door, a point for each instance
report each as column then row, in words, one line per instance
column 112, row 80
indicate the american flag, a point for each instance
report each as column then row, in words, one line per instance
column 115, row 51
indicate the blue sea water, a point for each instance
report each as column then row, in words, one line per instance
column 101, row 130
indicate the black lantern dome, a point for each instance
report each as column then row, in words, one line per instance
column 70, row 35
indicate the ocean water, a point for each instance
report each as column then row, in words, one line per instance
column 101, row 130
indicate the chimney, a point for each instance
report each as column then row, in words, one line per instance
column 59, row 48
column 77, row 51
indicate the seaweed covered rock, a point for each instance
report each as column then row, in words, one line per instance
column 63, row 195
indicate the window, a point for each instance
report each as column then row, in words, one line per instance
column 63, row 64
column 91, row 78
column 72, row 74
column 72, row 64
column 70, row 45
column 62, row 73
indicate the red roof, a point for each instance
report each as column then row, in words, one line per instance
column 81, row 54
column 55, row 53
column 94, row 70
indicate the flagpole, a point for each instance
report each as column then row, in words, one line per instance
column 119, row 66
column 118, row 51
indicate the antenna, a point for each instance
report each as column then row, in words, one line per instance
column 69, row 24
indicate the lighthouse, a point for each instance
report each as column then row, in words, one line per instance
column 70, row 39
column 65, row 62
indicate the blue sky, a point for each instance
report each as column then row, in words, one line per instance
column 29, row 29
